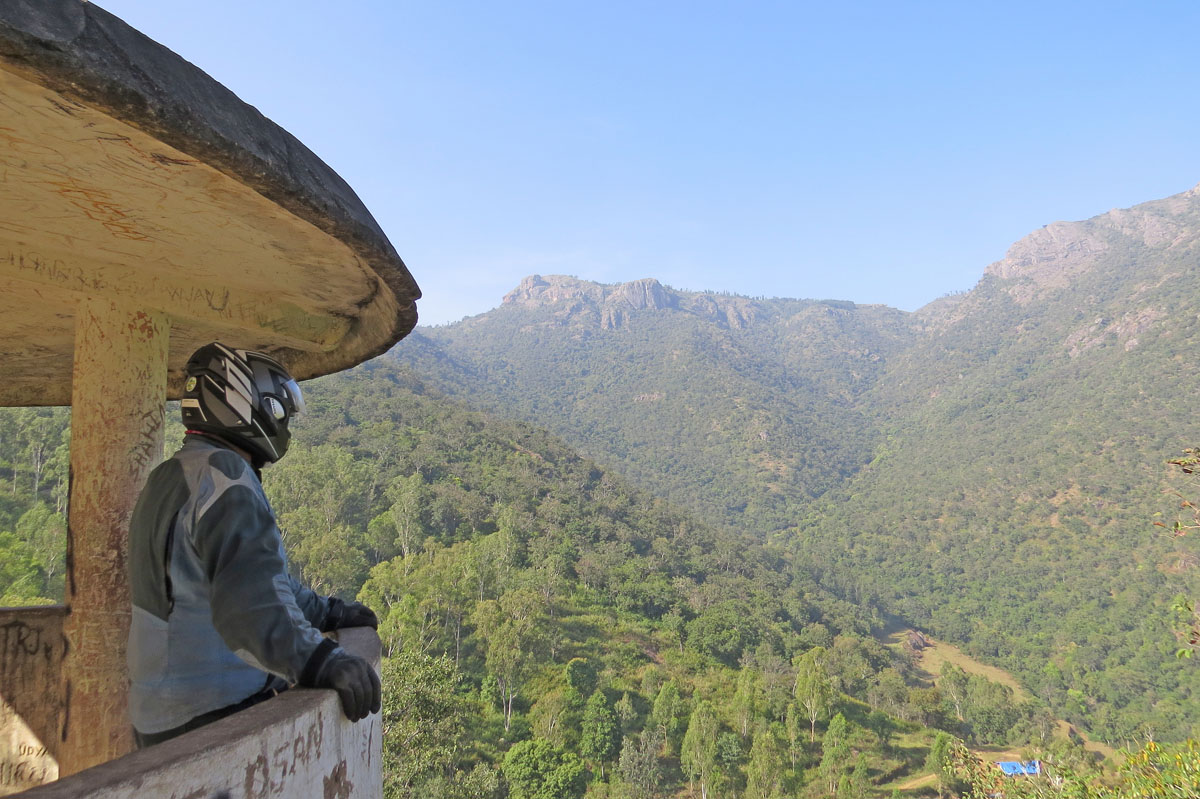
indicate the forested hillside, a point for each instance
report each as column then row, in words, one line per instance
column 542, row 618
column 988, row 467
column 742, row 409
column 1012, row 504
column 548, row 627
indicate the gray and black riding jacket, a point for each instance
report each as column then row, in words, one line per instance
column 216, row 616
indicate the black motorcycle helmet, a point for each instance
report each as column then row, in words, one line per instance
column 243, row 397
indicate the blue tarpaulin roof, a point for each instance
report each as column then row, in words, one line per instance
column 1014, row 768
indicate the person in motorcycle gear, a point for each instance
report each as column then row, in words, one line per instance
column 218, row 623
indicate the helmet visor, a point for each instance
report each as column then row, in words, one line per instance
column 295, row 395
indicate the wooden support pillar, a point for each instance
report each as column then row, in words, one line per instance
column 118, row 398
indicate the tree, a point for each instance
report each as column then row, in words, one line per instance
column 627, row 714
column 600, row 739
column 667, row 714
column 889, row 693
column 20, row 578
column 940, row 761
column 729, row 754
column 422, row 717
column 674, row 623
column 556, row 716
column 45, row 531
column 512, row 626
column 581, row 677
column 747, row 700
column 764, row 772
column 331, row 563
column 927, row 706
column 318, row 497
column 723, row 630
column 638, row 769
column 407, row 496
column 860, row 779
column 698, row 754
column 535, row 769
column 953, row 683
column 794, row 724
column 422, row 606
column 481, row 782
column 835, row 749
column 813, row 690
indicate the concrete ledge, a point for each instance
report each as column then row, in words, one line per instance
column 298, row 744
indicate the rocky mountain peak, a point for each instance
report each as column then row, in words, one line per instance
column 537, row 291
column 581, row 302
column 642, row 294
column 1052, row 256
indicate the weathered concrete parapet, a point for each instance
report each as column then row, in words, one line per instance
column 298, row 744
column 31, row 711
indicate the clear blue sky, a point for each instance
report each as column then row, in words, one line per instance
column 878, row 152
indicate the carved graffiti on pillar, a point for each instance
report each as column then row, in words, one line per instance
column 26, row 773
column 145, row 451
column 368, row 750
column 142, row 323
column 19, row 642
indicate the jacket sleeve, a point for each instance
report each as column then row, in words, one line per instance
column 255, row 608
column 314, row 606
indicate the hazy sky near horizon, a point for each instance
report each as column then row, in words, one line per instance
column 877, row 152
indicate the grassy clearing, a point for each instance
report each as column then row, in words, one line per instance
column 917, row 782
column 930, row 659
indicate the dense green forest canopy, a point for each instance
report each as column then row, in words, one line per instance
column 548, row 626
column 988, row 467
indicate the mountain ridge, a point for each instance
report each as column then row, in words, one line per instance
column 610, row 305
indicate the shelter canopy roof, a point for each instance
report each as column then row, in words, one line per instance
column 126, row 172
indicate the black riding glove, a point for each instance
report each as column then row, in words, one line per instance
column 348, row 614
column 355, row 681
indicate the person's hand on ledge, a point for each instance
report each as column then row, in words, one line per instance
column 355, row 681
column 349, row 614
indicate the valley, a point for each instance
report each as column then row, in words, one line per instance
column 987, row 467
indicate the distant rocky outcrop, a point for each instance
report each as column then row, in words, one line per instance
column 1061, row 254
column 582, row 302
column 1050, row 258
